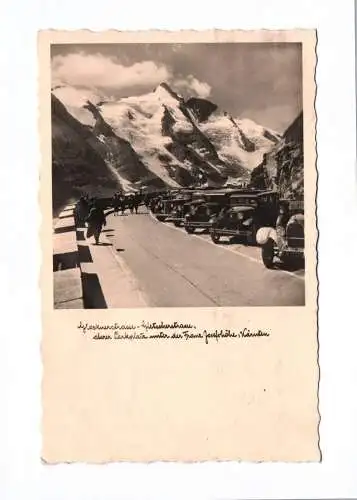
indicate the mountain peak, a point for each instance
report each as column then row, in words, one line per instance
column 165, row 86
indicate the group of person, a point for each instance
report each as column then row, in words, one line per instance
column 132, row 202
column 88, row 211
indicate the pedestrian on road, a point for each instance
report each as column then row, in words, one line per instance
column 116, row 204
column 81, row 211
column 122, row 205
column 131, row 204
column 96, row 221
column 147, row 201
column 136, row 202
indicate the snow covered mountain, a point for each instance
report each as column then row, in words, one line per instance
column 157, row 139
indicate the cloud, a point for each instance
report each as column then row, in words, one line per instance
column 192, row 84
column 278, row 118
column 75, row 97
column 101, row 72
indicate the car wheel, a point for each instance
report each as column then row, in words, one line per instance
column 215, row 237
column 189, row 229
column 293, row 263
column 268, row 253
column 176, row 223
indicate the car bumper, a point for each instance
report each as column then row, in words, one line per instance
column 231, row 232
column 198, row 224
column 160, row 215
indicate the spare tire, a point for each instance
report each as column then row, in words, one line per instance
column 295, row 231
column 263, row 235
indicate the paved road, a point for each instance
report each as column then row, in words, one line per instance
column 175, row 269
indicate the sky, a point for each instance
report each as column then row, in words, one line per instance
column 259, row 81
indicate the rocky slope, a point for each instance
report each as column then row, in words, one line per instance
column 283, row 167
column 75, row 160
column 154, row 140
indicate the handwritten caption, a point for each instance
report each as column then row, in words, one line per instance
column 176, row 331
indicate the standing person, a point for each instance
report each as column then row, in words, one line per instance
column 96, row 221
column 116, row 204
column 123, row 204
column 81, row 211
column 146, row 201
column 136, row 202
column 131, row 203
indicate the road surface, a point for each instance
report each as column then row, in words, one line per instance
column 174, row 269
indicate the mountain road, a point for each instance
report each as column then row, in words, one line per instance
column 173, row 269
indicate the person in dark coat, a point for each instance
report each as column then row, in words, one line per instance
column 131, row 203
column 116, row 204
column 81, row 211
column 136, row 202
column 123, row 204
column 96, row 221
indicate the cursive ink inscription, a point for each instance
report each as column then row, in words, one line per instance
column 89, row 327
column 176, row 331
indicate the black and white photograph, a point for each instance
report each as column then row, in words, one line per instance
column 178, row 175
column 178, row 198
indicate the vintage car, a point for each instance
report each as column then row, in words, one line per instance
column 248, row 211
column 169, row 207
column 254, row 197
column 162, row 207
column 180, row 207
column 204, row 208
column 284, row 242
column 200, row 215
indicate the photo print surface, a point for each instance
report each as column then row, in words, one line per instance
column 178, row 185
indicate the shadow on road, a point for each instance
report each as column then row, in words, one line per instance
column 80, row 235
column 67, row 260
column 120, row 249
column 67, row 229
column 84, row 253
column 292, row 266
column 93, row 297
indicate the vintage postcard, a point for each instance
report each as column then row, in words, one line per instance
column 177, row 194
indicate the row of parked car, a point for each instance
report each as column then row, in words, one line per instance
column 253, row 217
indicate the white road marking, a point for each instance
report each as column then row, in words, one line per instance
column 234, row 251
